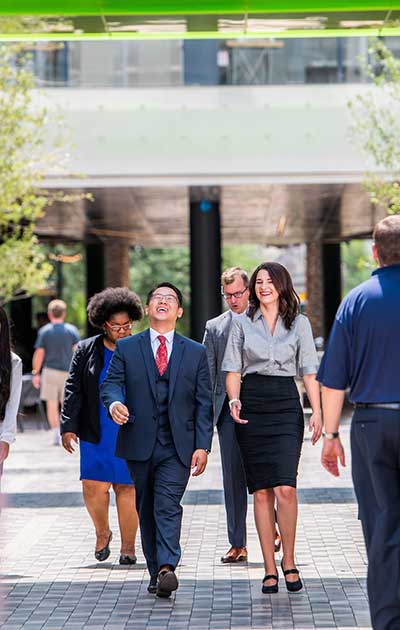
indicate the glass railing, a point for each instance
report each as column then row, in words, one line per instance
column 165, row 63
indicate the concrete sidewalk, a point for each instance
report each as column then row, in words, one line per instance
column 51, row 580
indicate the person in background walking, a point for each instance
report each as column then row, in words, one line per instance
column 10, row 389
column 54, row 347
column 267, row 348
column 363, row 353
column 83, row 417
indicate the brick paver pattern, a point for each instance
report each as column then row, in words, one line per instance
column 51, row 580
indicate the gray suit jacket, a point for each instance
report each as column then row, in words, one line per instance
column 215, row 340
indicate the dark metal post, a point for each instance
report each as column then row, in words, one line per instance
column 332, row 283
column 94, row 273
column 205, row 258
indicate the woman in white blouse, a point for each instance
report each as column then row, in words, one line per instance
column 10, row 389
column 266, row 348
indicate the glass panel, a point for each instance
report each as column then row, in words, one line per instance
column 137, row 63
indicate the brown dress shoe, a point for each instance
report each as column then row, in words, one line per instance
column 277, row 543
column 235, row 554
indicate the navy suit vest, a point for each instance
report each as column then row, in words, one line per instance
column 164, row 434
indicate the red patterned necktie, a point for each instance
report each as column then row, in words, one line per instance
column 162, row 355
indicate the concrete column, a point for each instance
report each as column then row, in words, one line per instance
column 116, row 262
column 314, row 287
column 205, row 257
column 324, row 286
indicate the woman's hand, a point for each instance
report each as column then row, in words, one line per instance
column 235, row 408
column 68, row 440
column 315, row 426
column 4, row 450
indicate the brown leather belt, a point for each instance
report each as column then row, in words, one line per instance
column 394, row 405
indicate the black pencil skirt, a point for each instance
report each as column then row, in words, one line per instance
column 270, row 444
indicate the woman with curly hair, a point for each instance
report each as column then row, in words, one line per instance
column 266, row 348
column 83, row 417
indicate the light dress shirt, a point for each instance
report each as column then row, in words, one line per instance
column 8, row 428
column 169, row 336
column 251, row 349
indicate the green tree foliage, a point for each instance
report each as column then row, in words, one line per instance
column 376, row 117
column 25, row 159
column 151, row 266
column 67, row 281
column 357, row 263
column 23, row 267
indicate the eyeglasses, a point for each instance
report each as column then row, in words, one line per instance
column 237, row 294
column 163, row 297
column 116, row 328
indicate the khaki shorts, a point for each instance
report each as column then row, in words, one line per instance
column 52, row 384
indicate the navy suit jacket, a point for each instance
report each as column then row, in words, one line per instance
column 131, row 378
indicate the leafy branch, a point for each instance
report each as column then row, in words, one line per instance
column 376, row 123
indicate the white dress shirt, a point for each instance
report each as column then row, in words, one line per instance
column 155, row 342
column 169, row 336
column 8, row 428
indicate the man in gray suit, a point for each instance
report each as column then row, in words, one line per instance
column 234, row 284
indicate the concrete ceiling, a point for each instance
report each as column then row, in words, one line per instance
column 276, row 214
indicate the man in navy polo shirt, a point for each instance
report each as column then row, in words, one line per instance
column 363, row 353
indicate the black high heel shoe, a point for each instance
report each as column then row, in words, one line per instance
column 124, row 559
column 103, row 554
column 270, row 589
column 292, row 587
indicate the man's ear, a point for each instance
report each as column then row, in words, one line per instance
column 146, row 310
column 375, row 253
column 180, row 312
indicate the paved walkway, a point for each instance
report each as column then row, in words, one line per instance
column 51, row 580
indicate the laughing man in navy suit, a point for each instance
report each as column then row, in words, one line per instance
column 166, row 426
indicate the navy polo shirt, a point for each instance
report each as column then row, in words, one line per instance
column 363, row 350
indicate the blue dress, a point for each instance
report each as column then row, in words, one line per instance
column 98, row 462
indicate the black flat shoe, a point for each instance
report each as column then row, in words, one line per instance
column 292, row 587
column 152, row 587
column 103, row 554
column 123, row 559
column 270, row 589
column 167, row 582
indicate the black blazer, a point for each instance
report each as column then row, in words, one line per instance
column 80, row 411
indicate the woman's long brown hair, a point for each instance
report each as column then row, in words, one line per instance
column 289, row 301
column 5, row 362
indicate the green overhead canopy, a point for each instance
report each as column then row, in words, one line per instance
column 126, row 19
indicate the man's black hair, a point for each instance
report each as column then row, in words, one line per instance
column 169, row 285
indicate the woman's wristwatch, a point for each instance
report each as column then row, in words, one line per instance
column 331, row 436
column 232, row 402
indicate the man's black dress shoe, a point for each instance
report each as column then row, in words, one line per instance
column 152, row 587
column 123, row 559
column 103, row 554
column 167, row 582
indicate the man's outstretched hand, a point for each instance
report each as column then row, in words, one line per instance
column 199, row 462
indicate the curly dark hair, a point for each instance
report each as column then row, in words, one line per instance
column 5, row 362
column 289, row 301
column 103, row 305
